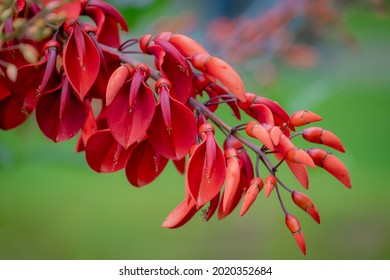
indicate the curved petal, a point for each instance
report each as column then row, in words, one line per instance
column 174, row 67
column 81, row 61
column 144, row 164
column 173, row 143
column 202, row 185
column 60, row 115
column 129, row 124
column 104, row 154
column 181, row 214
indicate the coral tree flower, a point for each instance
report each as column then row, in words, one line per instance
column 206, row 168
column 81, row 59
column 130, row 104
column 173, row 128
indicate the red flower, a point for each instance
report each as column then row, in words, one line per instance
column 144, row 164
column 206, row 169
column 130, row 105
column 81, row 60
column 60, row 114
column 173, row 128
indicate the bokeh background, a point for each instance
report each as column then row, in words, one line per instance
column 53, row 206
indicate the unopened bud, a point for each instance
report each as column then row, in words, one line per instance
column 55, row 18
column 29, row 53
column 12, row 72
column 34, row 32
column 54, row 5
column 19, row 22
column 6, row 14
column 46, row 32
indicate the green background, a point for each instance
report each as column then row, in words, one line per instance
column 52, row 206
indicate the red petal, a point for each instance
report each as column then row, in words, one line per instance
column 251, row 195
column 89, row 127
column 104, row 154
column 223, row 212
column 126, row 124
column 202, row 187
column 186, row 45
column 180, row 165
column 60, row 115
column 212, row 207
column 222, row 71
column 174, row 67
column 81, row 61
column 173, row 143
column 274, row 107
column 300, row 239
column 263, row 113
column 116, row 81
column 232, row 180
column 109, row 11
column 4, row 88
column 181, row 214
column 144, row 164
column 300, row 172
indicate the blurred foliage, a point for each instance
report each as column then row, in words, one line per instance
column 52, row 206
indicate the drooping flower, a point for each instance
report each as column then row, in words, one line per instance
column 130, row 104
column 173, row 128
column 206, row 169
column 81, row 59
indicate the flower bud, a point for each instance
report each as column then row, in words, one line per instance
column 295, row 228
column 305, row 203
column 270, row 183
column 303, row 117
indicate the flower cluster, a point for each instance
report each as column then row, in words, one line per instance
column 152, row 114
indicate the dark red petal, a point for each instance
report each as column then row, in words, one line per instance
column 60, row 115
column 126, row 124
column 104, row 154
column 81, row 61
column 173, row 143
column 109, row 11
column 100, row 87
column 4, row 88
column 212, row 207
column 24, row 94
column 144, row 164
column 174, row 67
column 180, row 165
column 89, row 127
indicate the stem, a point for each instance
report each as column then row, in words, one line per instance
column 281, row 200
